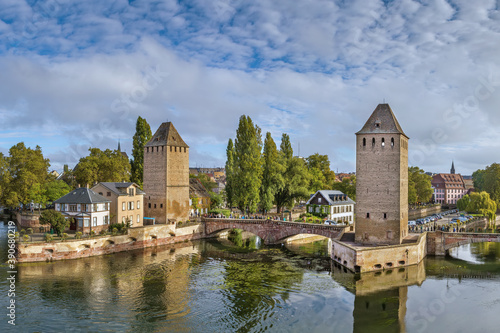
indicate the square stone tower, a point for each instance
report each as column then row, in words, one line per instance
column 381, row 180
column 166, row 176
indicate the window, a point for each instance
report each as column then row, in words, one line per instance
column 364, row 142
column 392, row 142
column 131, row 191
column 108, row 194
column 95, row 208
column 131, row 219
column 138, row 218
column 123, row 219
column 385, row 215
column 319, row 200
column 94, row 221
column 367, row 215
column 72, row 208
column 100, row 193
column 155, row 206
column 106, row 219
column 383, row 142
column 123, row 206
column 149, row 205
column 373, row 142
column 161, row 205
column 138, row 204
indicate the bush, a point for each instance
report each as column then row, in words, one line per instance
column 29, row 231
column 16, row 235
column 115, row 231
column 119, row 226
column 179, row 223
column 48, row 237
column 26, row 238
column 92, row 233
column 103, row 232
column 78, row 235
column 23, row 232
column 64, row 236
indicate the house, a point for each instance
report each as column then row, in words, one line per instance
column 127, row 202
column 335, row 205
column 197, row 190
column 448, row 187
column 89, row 210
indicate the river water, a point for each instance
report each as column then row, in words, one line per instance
column 216, row 286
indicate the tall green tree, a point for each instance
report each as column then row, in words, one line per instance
column 142, row 135
column 55, row 219
column 56, row 189
column 24, row 174
column 247, row 165
column 463, row 203
column 229, row 173
column 317, row 164
column 492, row 181
column 272, row 174
column 347, row 186
column 102, row 166
column 296, row 177
column 420, row 184
column 481, row 203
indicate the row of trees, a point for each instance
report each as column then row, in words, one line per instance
column 260, row 176
column 478, row 203
column 488, row 180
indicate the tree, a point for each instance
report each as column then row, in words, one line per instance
column 272, row 174
column 55, row 219
column 194, row 202
column 102, row 166
column 24, row 174
column 56, row 189
column 229, row 173
column 419, row 184
column 205, row 181
column 247, row 165
column 481, row 203
column 141, row 137
column 347, row 186
column 296, row 177
column 463, row 203
column 488, row 180
column 215, row 200
column 317, row 164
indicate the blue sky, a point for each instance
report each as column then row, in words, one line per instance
column 77, row 74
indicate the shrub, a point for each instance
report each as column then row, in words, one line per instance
column 64, row 236
column 29, row 231
column 23, row 231
column 103, row 232
column 92, row 233
column 26, row 238
column 48, row 237
column 179, row 223
column 78, row 235
column 115, row 231
column 16, row 235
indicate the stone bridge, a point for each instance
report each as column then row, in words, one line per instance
column 438, row 243
column 271, row 231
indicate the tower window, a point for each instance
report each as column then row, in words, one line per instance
column 155, row 206
column 364, row 142
column 170, row 148
column 149, row 205
column 383, row 142
column 367, row 215
column 373, row 142
column 147, row 149
column 385, row 215
column 392, row 142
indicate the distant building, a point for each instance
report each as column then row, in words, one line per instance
column 221, row 186
column 166, row 176
column 89, row 210
column 127, row 202
column 381, row 180
column 340, row 176
column 448, row 188
column 336, row 205
column 124, row 154
column 197, row 190
column 55, row 174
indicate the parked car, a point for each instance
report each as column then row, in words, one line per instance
column 412, row 222
column 330, row 222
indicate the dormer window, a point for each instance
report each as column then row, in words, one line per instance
column 377, row 124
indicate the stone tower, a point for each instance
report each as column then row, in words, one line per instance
column 166, row 176
column 381, row 180
column 452, row 170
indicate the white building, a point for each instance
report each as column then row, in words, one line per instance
column 89, row 210
column 334, row 205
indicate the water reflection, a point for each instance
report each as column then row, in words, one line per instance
column 216, row 286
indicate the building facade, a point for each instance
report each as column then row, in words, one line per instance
column 336, row 205
column 127, row 202
column 88, row 210
column 381, row 180
column 448, row 188
column 166, row 176
column 198, row 192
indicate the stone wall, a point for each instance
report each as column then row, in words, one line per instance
column 136, row 238
column 28, row 221
column 366, row 259
column 414, row 214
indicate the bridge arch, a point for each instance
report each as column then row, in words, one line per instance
column 452, row 240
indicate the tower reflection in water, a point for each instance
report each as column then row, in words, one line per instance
column 380, row 302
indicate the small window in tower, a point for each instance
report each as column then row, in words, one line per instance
column 157, row 149
column 155, row 206
column 175, row 149
column 161, row 206
column 377, row 124
column 184, row 149
column 392, row 142
column 367, row 215
column 385, row 215
column 170, row 148
column 364, row 142
column 373, row 142
column 147, row 149
column 383, row 142
column 149, row 205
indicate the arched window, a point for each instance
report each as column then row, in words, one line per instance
column 367, row 215
column 383, row 142
column 392, row 142
column 364, row 142
column 373, row 142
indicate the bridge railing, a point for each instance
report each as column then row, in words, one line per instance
column 276, row 222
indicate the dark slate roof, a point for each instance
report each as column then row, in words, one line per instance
column 196, row 187
column 120, row 188
column 81, row 195
column 166, row 135
column 333, row 197
column 382, row 121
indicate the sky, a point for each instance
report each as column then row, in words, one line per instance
column 77, row 74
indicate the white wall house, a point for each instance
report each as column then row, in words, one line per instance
column 88, row 210
column 334, row 205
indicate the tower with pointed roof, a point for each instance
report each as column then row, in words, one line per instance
column 381, row 180
column 166, row 176
column 452, row 171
